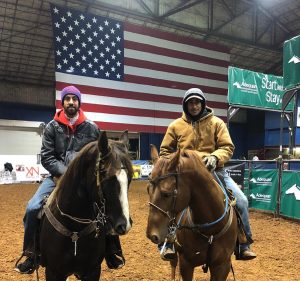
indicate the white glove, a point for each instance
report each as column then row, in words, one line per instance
column 210, row 162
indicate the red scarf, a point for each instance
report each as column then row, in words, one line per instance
column 61, row 118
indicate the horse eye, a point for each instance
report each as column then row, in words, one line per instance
column 166, row 195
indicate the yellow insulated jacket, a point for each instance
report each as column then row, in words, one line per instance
column 209, row 136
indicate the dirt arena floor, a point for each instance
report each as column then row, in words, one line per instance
column 277, row 243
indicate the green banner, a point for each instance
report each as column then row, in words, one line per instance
column 249, row 88
column 263, row 189
column 290, row 194
column 291, row 63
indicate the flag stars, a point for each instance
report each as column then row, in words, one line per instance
column 70, row 28
column 58, row 39
column 95, row 34
column 119, row 51
column 77, row 50
column 106, row 22
column 107, row 61
column 118, row 25
column 58, row 53
column 77, row 36
column 94, row 20
column 65, row 48
column 83, row 70
column 90, row 52
column 59, row 66
column 71, row 42
column 113, row 57
column 96, row 72
column 57, row 25
column 118, row 38
column 118, row 63
column 78, row 63
column 82, row 30
column 63, row 19
column 101, row 41
column 101, row 67
column 90, row 39
column 71, row 56
column 107, row 49
column 69, row 14
column 113, row 69
column 55, row 10
column 82, row 17
column 95, row 60
column 88, row 25
column 118, row 76
column 106, row 36
column 90, row 65
column 65, row 61
column 112, row 31
column 113, row 44
column 96, row 47
column 101, row 55
column 107, row 74
column 83, row 45
column 83, row 58
column 64, row 34
column 76, row 22
column 100, row 28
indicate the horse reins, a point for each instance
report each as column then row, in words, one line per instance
column 92, row 225
column 173, row 226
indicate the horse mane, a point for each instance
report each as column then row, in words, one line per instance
column 189, row 160
column 81, row 169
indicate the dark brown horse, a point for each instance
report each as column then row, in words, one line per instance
column 189, row 207
column 89, row 201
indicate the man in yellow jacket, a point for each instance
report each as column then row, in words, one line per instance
column 199, row 129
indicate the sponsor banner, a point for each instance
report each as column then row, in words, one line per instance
column 25, row 169
column 263, row 189
column 290, row 198
column 291, row 63
column 141, row 169
column 236, row 172
column 254, row 89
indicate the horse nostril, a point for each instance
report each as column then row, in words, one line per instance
column 121, row 229
column 154, row 239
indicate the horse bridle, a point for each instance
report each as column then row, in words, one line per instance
column 172, row 225
column 170, row 214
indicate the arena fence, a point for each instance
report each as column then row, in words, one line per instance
column 270, row 186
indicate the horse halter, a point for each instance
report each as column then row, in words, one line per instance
column 175, row 191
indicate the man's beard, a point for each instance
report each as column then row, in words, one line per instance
column 71, row 111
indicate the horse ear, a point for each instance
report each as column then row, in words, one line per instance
column 153, row 153
column 125, row 139
column 103, row 144
column 174, row 161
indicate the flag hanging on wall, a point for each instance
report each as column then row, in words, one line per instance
column 133, row 77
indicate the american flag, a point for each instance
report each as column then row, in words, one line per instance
column 133, row 77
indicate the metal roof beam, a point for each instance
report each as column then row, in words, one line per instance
column 180, row 7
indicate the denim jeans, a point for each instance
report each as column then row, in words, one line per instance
column 241, row 203
column 31, row 222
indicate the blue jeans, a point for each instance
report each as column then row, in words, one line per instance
column 241, row 203
column 31, row 222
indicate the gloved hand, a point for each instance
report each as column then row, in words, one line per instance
column 210, row 162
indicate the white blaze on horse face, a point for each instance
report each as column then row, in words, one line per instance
column 123, row 180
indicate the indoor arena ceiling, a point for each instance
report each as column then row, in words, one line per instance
column 253, row 30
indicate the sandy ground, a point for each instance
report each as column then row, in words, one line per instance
column 277, row 243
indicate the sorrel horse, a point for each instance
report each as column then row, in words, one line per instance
column 188, row 207
column 89, row 202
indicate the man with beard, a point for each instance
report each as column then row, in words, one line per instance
column 63, row 138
